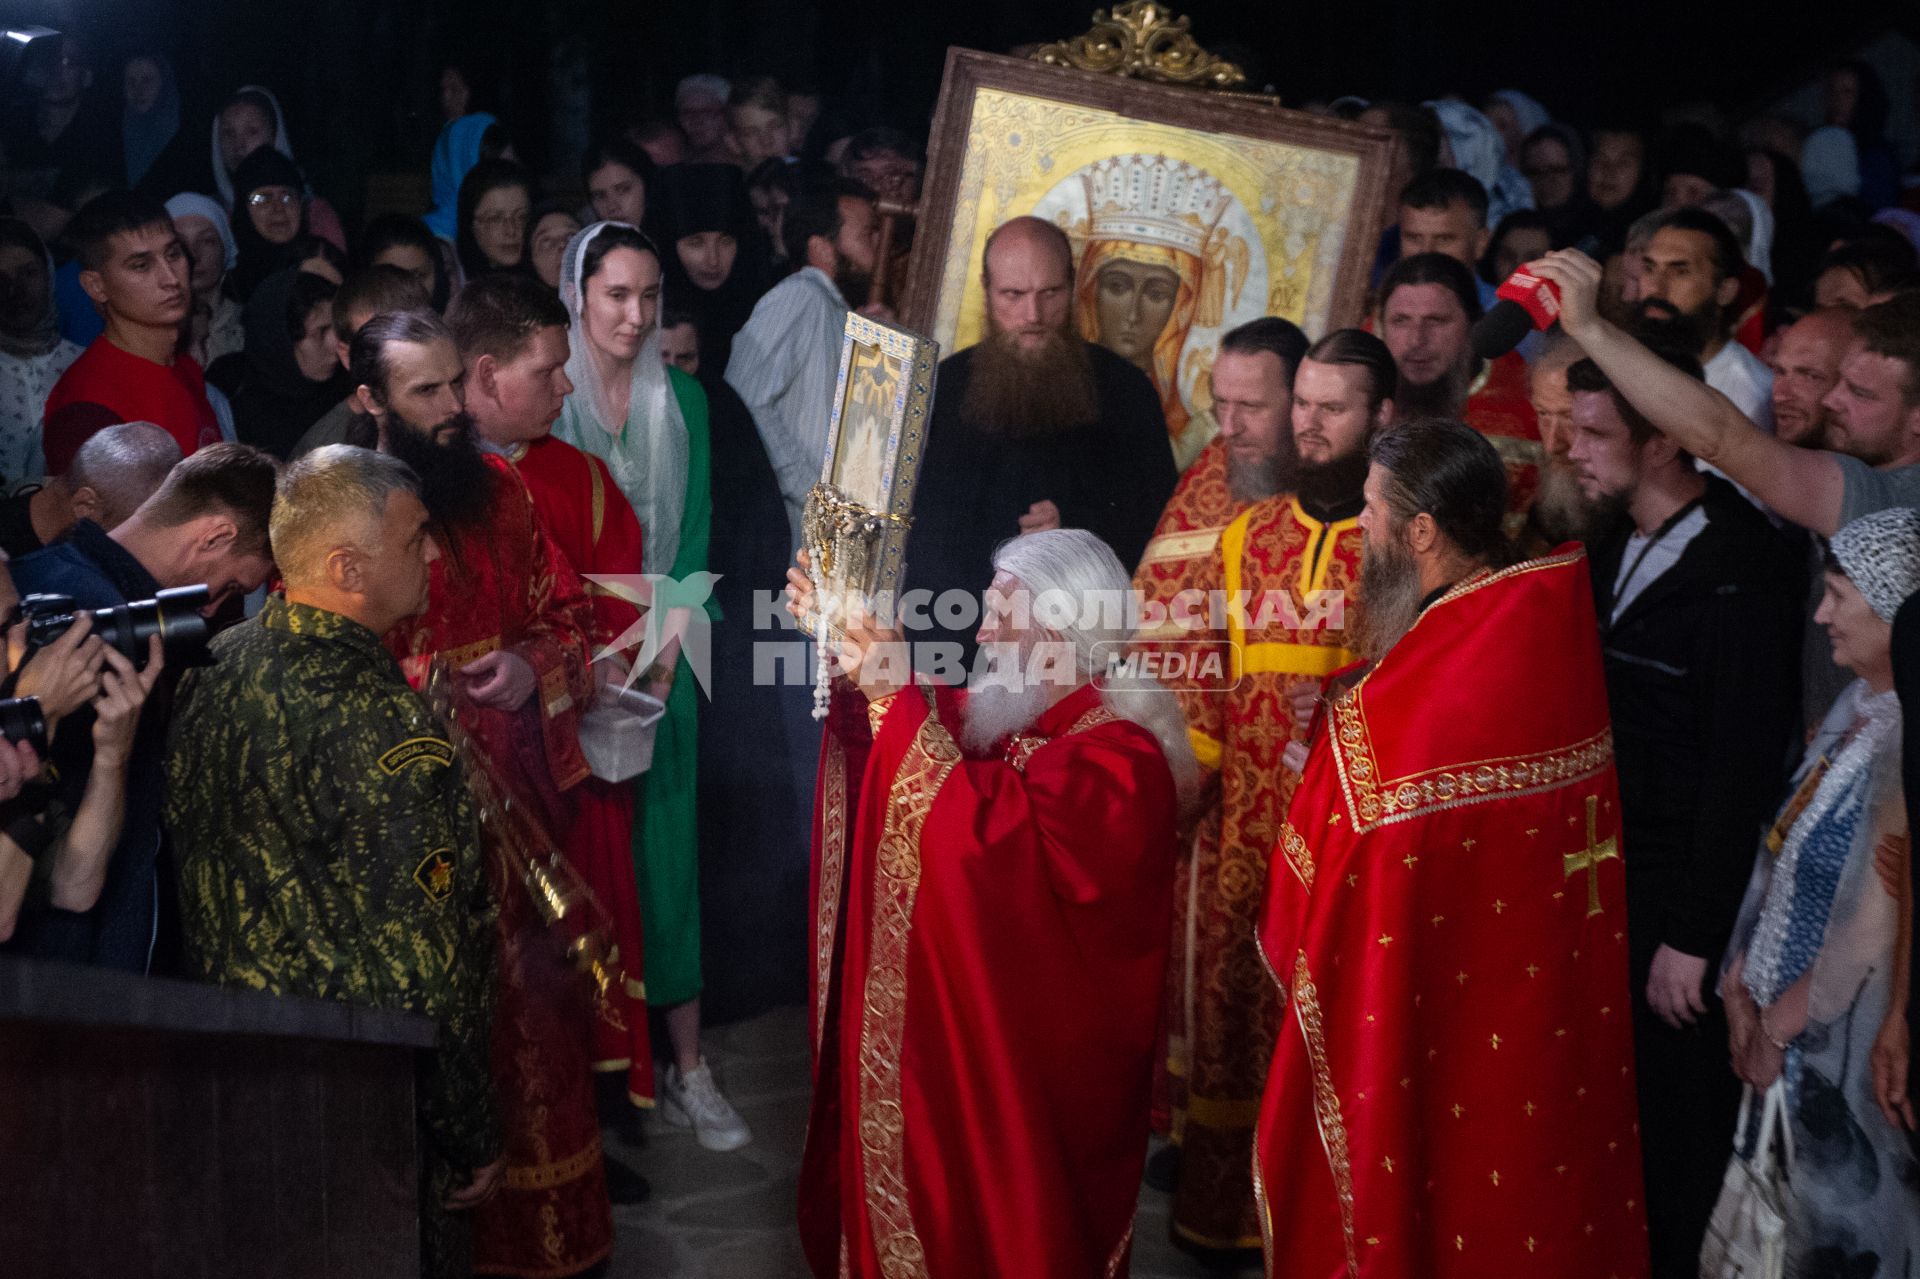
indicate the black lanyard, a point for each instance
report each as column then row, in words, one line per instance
column 1673, row 521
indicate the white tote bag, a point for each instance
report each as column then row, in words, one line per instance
column 1747, row 1236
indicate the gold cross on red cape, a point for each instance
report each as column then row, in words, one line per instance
column 1590, row 857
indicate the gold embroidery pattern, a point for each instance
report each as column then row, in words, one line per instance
column 1298, row 855
column 1183, row 545
column 1092, row 719
column 1022, row 747
column 548, row 1175
column 466, row 654
column 884, row 1015
column 1373, row 801
column 1326, row 1102
column 833, row 859
column 599, row 499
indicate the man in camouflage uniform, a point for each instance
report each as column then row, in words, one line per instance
column 326, row 839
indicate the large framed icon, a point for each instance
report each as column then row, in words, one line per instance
column 857, row 517
column 1190, row 212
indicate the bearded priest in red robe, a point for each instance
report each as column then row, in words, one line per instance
column 1452, row 1091
column 991, row 874
column 1250, row 458
column 507, row 616
column 512, row 332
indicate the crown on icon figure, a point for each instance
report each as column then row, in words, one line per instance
column 1151, row 199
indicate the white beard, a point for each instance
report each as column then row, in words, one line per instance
column 996, row 709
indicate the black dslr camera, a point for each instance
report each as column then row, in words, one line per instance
column 21, row 721
column 174, row 615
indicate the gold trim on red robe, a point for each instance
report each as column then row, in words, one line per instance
column 964, row 877
column 1460, row 1048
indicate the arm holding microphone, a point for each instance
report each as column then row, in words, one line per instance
column 1805, row 486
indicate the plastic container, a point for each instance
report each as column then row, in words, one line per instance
column 616, row 733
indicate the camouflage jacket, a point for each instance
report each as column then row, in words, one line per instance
column 327, row 846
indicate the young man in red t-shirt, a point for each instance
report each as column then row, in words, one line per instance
column 135, row 268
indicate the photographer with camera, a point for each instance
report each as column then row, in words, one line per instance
column 40, row 840
column 205, row 528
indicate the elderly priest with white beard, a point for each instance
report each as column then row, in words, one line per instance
column 991, row 871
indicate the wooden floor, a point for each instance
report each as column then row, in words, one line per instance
column 731, row 1216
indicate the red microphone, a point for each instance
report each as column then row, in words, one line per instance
column 1526, row 302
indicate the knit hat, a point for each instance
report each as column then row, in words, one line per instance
column 1880, row 554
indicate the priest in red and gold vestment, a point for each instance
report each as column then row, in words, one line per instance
column 1250, row 457
column 1288, row 569
column 990, row 890
column 512, row 332
column 1452, row 1089
column 508, row 618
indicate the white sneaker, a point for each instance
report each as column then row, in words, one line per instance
column 693, row 1101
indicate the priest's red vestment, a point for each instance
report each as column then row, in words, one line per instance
column 501, row 583
column 1500, row 407
column 1184, row 543
column 594, row 526
column 1299, row 577
column 1452, row 1090
column 990, row 935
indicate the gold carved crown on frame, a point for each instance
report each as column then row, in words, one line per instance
column 1146, row 41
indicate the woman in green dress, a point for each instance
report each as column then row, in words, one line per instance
column 648, row 422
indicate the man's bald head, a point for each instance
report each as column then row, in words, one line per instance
column 1024, row 241
column 117, row 469
column 1806, row 364
column 1027, row 270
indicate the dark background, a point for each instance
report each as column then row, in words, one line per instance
column 357, row 77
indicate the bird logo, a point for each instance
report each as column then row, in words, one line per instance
column 671, row 608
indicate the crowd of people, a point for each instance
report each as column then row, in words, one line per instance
column 474, row 489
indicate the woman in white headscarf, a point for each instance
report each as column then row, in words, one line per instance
column 203, row 225
column 1515, row 115
column 648, row 422
column 1477, row 148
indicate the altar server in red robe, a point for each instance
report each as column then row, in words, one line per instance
column 512, row 332
column 507, row 617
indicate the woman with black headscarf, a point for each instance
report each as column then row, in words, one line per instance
column 270, row 214
column 496, row 201
column 288, row 376
column 716, row 254
column 1554, row 159
column 1776, row 179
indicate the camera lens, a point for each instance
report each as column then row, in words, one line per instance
column 174, row 615
column 21, row 721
